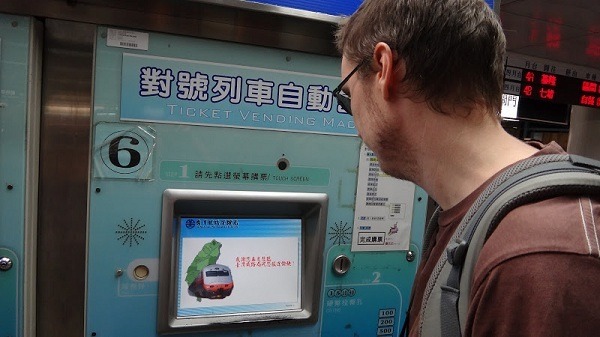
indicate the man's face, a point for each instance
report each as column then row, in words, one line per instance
column 378, row 122
column 354, row 89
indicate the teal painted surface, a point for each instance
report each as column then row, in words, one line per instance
column 124, row 306
column 14, row 52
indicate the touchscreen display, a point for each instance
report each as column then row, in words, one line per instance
column 238, row 265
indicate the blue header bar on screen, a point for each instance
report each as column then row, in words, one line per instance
column 192, row 227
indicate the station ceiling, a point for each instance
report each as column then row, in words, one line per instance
column 567, row 31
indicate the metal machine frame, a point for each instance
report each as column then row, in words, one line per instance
column 310, row 207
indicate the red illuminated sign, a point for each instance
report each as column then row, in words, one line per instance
column 530, row 76
column 591, row 87
column 557, row 88
column 546, row 93
column 548, row 79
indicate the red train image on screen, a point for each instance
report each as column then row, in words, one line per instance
column 214, row 281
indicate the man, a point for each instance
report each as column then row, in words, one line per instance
column 423, row 80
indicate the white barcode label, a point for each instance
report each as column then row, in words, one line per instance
column 126, row 39
column 128, row 44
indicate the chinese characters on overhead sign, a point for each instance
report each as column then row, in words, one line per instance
column 559, row 89
column 193, row 92
column 541, row 80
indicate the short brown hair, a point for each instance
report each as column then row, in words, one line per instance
column 453, row 49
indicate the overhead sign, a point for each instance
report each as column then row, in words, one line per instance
column 551, row 81
column 551, row 87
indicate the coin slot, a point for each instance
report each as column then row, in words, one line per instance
column 341, row 265
column 141, row 272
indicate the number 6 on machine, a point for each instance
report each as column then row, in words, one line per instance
column 123, row 151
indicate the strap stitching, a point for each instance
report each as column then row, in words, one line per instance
column 594, row 225
column 585, row 230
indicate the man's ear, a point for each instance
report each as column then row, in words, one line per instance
column 388, row 74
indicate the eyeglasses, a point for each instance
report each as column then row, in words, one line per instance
column 342, row 98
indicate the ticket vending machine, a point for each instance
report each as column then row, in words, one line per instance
column 230, row 196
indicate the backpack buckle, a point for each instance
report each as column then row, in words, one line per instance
column 585, row 162
column 457, row 251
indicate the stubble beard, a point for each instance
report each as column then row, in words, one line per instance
column 392, row 147
column 397, row 160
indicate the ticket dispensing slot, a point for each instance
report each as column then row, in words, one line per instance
column 240, row 259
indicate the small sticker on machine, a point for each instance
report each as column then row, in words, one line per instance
column 126, row 39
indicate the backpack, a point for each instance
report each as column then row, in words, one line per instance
column 446, row 297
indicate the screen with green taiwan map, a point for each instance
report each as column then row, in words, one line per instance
column 238, row 265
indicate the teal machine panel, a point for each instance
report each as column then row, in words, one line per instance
column 14, row 72
column 176, row 113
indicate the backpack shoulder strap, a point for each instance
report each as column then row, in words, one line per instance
column 531, row 180
column 430, row 230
